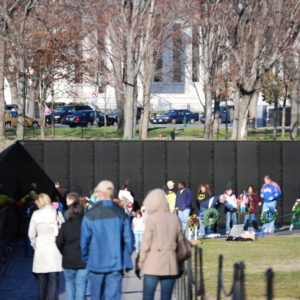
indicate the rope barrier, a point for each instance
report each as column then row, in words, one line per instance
column 191, row 284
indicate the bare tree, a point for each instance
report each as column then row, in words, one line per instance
column 259, row 33
column 15, row 14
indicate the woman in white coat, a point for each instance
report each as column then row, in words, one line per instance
column 47, row 260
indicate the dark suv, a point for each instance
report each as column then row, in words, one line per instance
column 63, row 111
column 175, row 116
column 225, row 114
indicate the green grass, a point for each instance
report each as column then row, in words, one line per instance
column 97, row 133
column 282, row 254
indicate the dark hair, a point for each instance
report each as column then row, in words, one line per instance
column 207, row 189
column 76, row 210
column 253, row 188
column 124, row 186
column 138, row 213
column 182, row 182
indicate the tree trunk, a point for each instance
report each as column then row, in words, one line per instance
column 31, row 99
column 275, row 119
column 11, row 78
column 42, row 117
column 208, row 111
column 283, row 118
column 216, row 122
column 146, row 111
column 129, row 111
column 235, row 122
column 21, row 96
column 120, row 107
column 2, row 99
column 243, row 117
column 295, row 114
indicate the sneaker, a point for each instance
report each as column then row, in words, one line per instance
column 261, row 235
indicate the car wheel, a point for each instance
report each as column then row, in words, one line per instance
column 173, row 121
column 72, row 126
column 7, row 124
column 192, row 121
column 35, row 125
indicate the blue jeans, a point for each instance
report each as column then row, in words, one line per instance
column 252, row 217
column 106, row 286
column 201, row 224
column 230, row 216
column 183, row 216
column 150, row 283
column 137, row 240
column 76, row 282
column 269, row 226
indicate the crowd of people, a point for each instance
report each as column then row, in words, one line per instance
column 92, row 243
column 91, row 239
column 182, row 202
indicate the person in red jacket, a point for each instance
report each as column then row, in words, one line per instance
column 252, row 208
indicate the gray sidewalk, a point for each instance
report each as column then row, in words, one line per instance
column 19, row 283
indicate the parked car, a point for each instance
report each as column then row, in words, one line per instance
column 63, row 111
column 114, row 113
column 11, row 107
column 82, row 118
column 110, row 119
column 175, row 116
column 85, row 118
column 11, row 120
column 226, row 114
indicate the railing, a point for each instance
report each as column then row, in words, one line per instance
column 191, row 284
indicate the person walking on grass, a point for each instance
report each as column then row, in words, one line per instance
column 106, row 244
column 183, row 203
column 47, row 260
column 68, row 243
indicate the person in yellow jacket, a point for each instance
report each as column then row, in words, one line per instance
column 171, row 196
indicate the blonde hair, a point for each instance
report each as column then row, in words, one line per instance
column 106, row 187
column 43, row 200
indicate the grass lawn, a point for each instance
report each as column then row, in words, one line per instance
column 96, row 133
column 282, row 254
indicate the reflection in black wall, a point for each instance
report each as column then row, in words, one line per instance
column 19, row 169
column 79, row 165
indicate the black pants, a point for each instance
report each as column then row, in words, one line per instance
column 47, row 285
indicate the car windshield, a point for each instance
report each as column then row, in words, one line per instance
column 169, row 112
column 62, row 109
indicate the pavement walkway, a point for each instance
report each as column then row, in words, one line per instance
column 19, row 283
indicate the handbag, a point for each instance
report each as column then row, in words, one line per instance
column 184, row 249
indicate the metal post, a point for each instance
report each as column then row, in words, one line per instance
column 239, row 282
column 270, row 276
column 220, row 273
column 190, row 279
column 202, row 287
column 196, row 250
